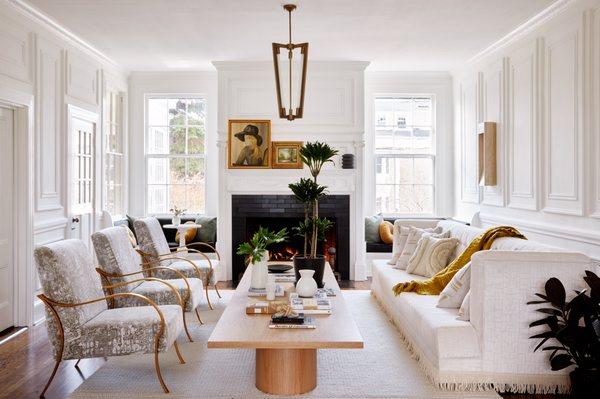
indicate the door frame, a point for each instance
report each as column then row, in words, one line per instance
column 22, row 104
column 74, row 111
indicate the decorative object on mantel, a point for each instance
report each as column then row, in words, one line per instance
column 256, row 250
column 308, row 192
column 177, row 213
column 249, row 144
column 290, row 47
column 574, row 328
column 486, row 142
column 348, row 161
column 286, row 155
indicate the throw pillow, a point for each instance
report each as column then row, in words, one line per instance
column 208, row 232
column 132, row 238
column 431, row 255
column 372, row 228
column 189, row 233
column 454, row 294
column 414, row 235
column 400, row 236
column 385, row 232
column 464, row 313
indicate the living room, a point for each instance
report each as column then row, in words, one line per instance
column 324, row 199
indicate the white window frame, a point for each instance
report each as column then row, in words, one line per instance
column 432, row 156
column 121, row 135
column 150, row 96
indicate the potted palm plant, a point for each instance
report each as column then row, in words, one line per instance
column 309, row 192
column 572, row 334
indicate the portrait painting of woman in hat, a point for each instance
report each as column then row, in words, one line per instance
column 249, row 143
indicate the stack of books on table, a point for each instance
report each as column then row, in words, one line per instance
column 279, row 291
column 319, row 304
column 284, row 277
column 300, row 322
column 261, row 306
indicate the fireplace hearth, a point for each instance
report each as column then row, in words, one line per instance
column 278, row 211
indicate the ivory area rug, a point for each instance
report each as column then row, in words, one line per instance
column 383, row 369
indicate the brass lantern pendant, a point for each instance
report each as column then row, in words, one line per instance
column 292, row 72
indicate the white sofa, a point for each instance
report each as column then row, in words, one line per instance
column 492, row 350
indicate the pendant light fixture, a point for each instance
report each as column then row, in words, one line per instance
column 294, row 95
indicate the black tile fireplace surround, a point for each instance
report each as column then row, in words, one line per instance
column 277, row 211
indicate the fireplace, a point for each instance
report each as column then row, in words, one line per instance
column 279, row 211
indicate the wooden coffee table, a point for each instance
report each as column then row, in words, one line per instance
column 286, row 360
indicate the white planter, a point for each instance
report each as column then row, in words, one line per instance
column 176, row 220
column 260, row 272
column 306, row 286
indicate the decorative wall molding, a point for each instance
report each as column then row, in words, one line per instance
column 533, row 23
column 594, row 108
column 15, row 57
column 563, row 136
column 63, row 33
column 522, row 143
column 469, row 97
column 48, row 134
column 81, row 77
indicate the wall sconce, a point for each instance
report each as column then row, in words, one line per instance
column 486, row 147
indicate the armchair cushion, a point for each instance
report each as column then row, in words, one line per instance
column 188, row 270
column 160, row 293
column 124, row 331
column 151, row 238
column 116, row 255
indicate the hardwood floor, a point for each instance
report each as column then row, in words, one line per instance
column 26, row 363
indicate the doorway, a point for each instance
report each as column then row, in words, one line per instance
column 6, row 216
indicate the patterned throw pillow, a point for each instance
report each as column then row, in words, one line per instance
column 454, row 293
column 400, row 235
column 464, row 313
column 431, row 255
column 414, row 235
column 385, row 232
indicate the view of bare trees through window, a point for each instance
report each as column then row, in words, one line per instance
column 175, row 151
column 404, row 155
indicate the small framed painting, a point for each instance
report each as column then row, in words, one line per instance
column 286, row 155
column 249, row 144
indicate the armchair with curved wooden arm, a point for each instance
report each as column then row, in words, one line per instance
column 110, row 288
column 169, row 256
column 200, row 243
column 52, row 305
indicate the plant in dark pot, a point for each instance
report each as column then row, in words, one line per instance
column 573, row 332
column 309, row 192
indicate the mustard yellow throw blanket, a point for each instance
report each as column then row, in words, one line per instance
column 436, row 284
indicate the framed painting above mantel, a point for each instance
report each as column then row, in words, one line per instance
column 249, row 144
column 286, row 155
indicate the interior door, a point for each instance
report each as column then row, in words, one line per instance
column 6, row 218
column 82, row 165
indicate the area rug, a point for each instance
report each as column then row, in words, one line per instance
column 383, row 369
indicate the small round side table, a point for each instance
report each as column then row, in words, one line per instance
column 182, row 229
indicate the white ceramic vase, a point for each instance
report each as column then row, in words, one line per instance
column 260, row 272
column 306, row 285
column 176, row 220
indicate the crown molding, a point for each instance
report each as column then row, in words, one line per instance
column 268, row 65
column 47, row 22
column 531, row 24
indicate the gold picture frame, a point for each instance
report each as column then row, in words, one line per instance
column 249, row 144
column 286, row 155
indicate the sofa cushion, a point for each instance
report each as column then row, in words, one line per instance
column 454, row 293
column 435, row 331
column 431, row 255
column 414, row 235
column 464, row 233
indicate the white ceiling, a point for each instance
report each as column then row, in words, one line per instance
column 434, row 35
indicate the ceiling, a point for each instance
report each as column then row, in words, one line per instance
column 409, row 35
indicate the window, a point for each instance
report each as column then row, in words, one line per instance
column 404, row 155
column 114, row 158
column 175, row 149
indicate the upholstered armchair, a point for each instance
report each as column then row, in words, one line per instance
column 153, row 245
column 120, row 264
column 79, row 322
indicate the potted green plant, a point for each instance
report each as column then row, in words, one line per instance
column 574, row 330
column 258, row 255
column 309, row 192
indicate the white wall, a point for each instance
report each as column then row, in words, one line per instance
column 541, row 86
column 142, row 84
column 38, row 58
column 440, row 86
column 334, row 113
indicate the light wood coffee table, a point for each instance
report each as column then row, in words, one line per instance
column 286, row 360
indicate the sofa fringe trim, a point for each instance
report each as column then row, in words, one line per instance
column 477, row 382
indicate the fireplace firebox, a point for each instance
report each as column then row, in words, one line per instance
column 278, row 211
